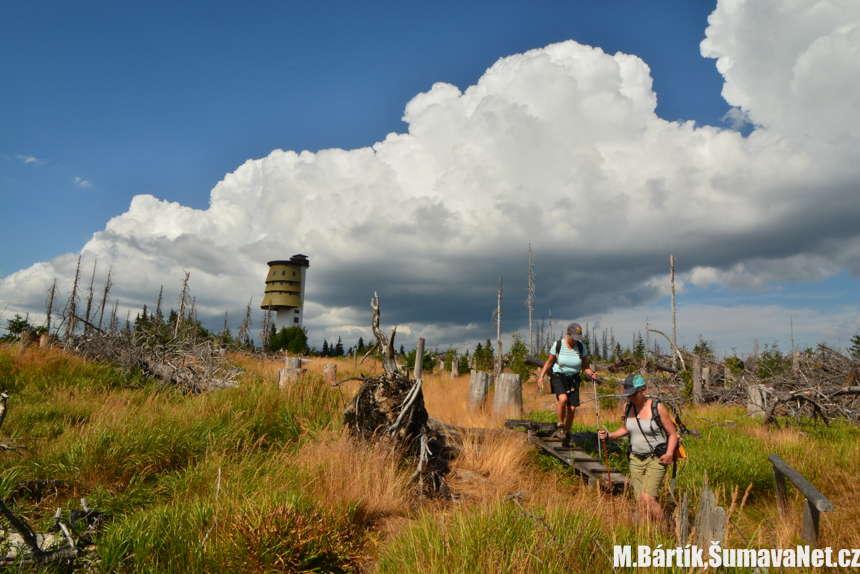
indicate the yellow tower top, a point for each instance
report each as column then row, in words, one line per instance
column 285, row 283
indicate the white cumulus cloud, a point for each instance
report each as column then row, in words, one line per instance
column 560, row 148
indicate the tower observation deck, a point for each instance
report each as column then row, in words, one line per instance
column 285, row 290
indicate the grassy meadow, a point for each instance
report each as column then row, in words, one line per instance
column 254, row 479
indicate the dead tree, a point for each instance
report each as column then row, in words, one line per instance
column 530, row 299
column 62, row 544
column 245, row 327
column 390, row 408
column 497, row 317
column 90, row 297
column 50, row 304
column 105, row 297
column 72, row 307
column 183, row 301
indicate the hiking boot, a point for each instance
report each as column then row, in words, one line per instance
column 565, row 442
column 559, row 431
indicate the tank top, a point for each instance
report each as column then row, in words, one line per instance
column 649, row 427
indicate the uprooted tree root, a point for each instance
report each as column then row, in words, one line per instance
column 390, row 407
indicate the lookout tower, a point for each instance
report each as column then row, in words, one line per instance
column 285, row 290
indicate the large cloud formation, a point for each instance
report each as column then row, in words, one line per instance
column 560, row 148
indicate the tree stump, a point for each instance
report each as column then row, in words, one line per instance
column 455, row 368
column 508, row 397
column 683, row 520
column 28, row 338
column 291, row 373
column 330, row 373
column 478, row 388
column 710, row 520
column 697, row 380
column 756, row 403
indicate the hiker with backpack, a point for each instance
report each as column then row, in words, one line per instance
column 653, row 440
column 568, row 358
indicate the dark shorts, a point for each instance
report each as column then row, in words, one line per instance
column 566, row 385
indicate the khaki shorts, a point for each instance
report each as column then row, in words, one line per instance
column 647, row 475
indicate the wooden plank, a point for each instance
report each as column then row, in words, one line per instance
column 590, row 467
column 530, row 425
column 815, row 498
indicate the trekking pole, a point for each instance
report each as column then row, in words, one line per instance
column 596, row 414
column 608, row 474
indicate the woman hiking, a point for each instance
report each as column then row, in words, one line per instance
column 568, row 358
column 652, row 444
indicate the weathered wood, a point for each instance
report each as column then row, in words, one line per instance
column 817, row 499
column 684, row 520
column 293, row 363
column 508, row 397
column 455, row 368
column 697, row 380
column 756, row 402
column 809, row 530
column 533, row 361
column 386, row 344
column 330, row 373
column 779, row 487
column 530, row 425
column 590, row 468
column 478, row 389
column 706, row 377
column 418, row 371
column 710, row 520
column 795, row 363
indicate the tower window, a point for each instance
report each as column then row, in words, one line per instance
column 294, row 273
column 283, row 272
column 295, row 319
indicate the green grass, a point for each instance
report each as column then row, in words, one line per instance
column 150, row 459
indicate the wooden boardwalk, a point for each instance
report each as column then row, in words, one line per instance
column 588, row 467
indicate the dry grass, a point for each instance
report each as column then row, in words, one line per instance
column 341, row 471
column 271, row 443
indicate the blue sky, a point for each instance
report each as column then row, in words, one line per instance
column 105, row 101
column 166, row 97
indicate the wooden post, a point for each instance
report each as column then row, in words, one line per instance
column 795, row 363
column 478, row 389
column 455, row 368
column 779, row 486
column 330, row 373
column 419, row 361
column 697, row 380
column 508, row 397
column 809, row 530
